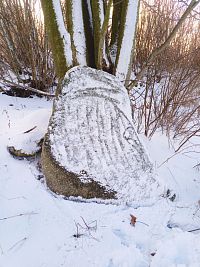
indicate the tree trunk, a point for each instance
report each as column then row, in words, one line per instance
column 126, row 39
column 58, row 36
column 75, row 26
column 89, row 36
column 97, row 7
column 116, row 18
column 103, row 32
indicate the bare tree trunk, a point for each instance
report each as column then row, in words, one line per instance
column 116, row 18
column 75, row 26
column 130, row 66
column 89, row 36
column 126, row 39
column 102, row 36
column 58, row 36
column 98, row 19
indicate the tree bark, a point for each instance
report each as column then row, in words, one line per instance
column 102, row 36
column 75, row 26
column 116, row 18
column 58, row 42
column 126, row 39
column 89, row 36
column 98, row 19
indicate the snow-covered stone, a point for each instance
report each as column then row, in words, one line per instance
column 28, row 133
column 92, row 149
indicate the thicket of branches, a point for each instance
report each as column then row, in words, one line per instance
column 25, row 57
column 166, row 97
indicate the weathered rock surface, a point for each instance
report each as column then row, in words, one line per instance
column 91, row 148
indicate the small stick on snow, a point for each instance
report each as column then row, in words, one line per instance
column 20, row 243
column 89, row 227
column 194, row 230
column 77, row 235
column 28, row 131
column 18, row 215
column 143, row 223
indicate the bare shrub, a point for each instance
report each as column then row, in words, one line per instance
column 168, row 97
column 24, row 50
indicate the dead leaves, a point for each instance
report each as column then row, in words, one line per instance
column 133, row 220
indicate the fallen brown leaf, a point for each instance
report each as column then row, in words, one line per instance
column 133, row 220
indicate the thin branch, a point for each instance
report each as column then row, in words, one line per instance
column 28, row 131
column 143, row 223
column 89, row 227
column 20, row 242
column 194, row 230
column 18, row 215
column 190, row 136
column 27, row 88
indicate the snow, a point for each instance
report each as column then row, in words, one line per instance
column 29, row 131
column 45, row 233
column 63, row 32
column 180, row 251
column 128, row 40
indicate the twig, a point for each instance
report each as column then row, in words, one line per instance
column 18, row 215
column 85, row 223
column 77, row 235
column 89, row 227
column 28, row 131
column 190, row 136
column 194, row 230
column 178, row 152
column 86, row 228
column 21, row 242
column 142, row 223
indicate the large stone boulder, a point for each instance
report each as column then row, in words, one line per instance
column 91, row 148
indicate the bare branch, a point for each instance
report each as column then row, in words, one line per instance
column 18, row 215
column 7, row 82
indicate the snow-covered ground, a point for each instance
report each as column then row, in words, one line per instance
column 38, row 229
